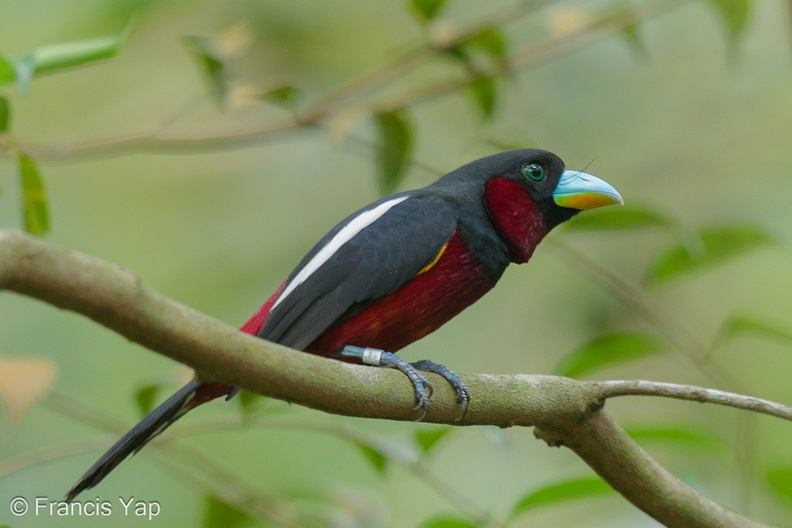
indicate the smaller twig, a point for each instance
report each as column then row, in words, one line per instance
column 415, row 466
column 204, row 474
column 417, row 54
column 160, row 140
column 598, row 29
column 692, row 350
column 613, row 388
column 77, row 411
column 46, row 456
column 211, row 478
column 66, row 406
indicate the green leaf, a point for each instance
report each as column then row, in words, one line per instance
column 607, row 351
column 55, row 57
column 24, row 70
column 212, row 64
column 636, row 217
column 286, row 96
column 376, row 458
column 483, row 88
column 70, row 54
column 733, row 14
column 428, row 438
column 7, row 72
column 448, row 522
column 396, row 143
column 573, row 489
column 5, row 114
column 218, row 514
column 634, row 39
column 625, row 217
column 631, row 33
column 718, row 245
column 780, row 481
column 426, row 10
column 35, row 213
column 461, row 53
column 485, row 94
column 249, row 401
column 492, row 42
column 675, row 436
column 146, row 398
column 742, row 325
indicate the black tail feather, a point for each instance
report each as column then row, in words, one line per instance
column 153, row 424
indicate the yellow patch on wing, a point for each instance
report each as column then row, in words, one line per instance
column 434, row 260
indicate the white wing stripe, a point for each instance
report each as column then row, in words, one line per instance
column 355, row 226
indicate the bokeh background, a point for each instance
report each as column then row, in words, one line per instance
column 689, row 115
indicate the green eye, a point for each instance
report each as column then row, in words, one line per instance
column 534, row 171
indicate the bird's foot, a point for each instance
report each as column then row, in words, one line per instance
column 461, row 390
column 380, row 358
column 423, row 389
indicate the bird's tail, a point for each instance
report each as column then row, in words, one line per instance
column 188, row 397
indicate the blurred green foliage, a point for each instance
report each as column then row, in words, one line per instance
column 122, row 151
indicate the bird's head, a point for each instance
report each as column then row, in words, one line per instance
column 528, row 192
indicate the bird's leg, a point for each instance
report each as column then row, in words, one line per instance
column 461, row 390
column 380, row 358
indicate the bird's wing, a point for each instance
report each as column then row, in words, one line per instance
column 367, row 256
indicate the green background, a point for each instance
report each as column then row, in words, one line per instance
column 698, row 128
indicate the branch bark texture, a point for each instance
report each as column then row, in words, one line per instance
column 564, row 411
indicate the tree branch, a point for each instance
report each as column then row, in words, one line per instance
column 356, row 93
column 564, row 411
column 604, row 446
column 676, row 391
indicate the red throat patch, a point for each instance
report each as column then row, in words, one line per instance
column 516, row 217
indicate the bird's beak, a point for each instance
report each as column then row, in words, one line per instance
column 578, row 190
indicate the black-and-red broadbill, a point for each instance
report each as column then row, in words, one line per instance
column 398, row 269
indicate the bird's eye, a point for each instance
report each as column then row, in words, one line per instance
column 534, row 171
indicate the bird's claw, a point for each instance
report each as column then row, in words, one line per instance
column 423, row 389
column 461, row 390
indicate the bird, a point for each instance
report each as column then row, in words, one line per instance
column 395, row 271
